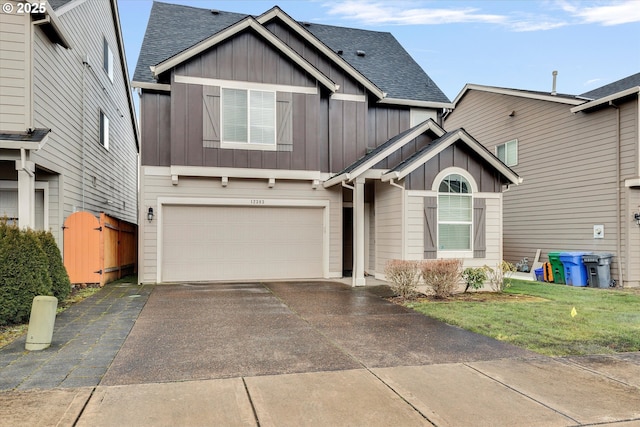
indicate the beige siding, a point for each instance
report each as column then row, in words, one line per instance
column 159, row 186
column 414, row 220
column 568, row 163
column 15, row 71
column 68, row 98
column 388, row 222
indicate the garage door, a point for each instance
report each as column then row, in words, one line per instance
column 241, row 243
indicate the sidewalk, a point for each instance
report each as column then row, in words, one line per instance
column 86, row 338
column 316, row 354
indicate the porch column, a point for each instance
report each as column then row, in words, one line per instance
column 358, row 233
column 26, row 194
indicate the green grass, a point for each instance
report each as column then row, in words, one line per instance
column 607, row 320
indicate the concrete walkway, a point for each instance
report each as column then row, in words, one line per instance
column 296, row 354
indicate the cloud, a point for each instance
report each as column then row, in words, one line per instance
column 616, row 13
column 378, row 13
column 565, row 12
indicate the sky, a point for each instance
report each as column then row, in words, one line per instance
column 514, row 44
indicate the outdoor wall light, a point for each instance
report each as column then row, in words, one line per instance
column 636, row 216
column 150, row 214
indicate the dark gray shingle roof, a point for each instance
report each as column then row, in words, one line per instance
column 385, row 62
column 174, row 28
column 615, row 87
column 55, row 4
column 33, row 135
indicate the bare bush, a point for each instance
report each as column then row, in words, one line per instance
column 499, row 277
column 442, row 276
column 403, row 276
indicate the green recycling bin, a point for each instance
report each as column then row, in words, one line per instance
column 557, row 267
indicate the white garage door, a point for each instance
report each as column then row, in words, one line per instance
column 241, row 243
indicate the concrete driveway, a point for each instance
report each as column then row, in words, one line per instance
column 207, row 331
column 322, row 353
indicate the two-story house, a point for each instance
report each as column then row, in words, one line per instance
column 274, row 149
column 68, row 137
column 581, row 158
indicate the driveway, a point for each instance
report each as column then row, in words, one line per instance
column 207, row 331
column 293, row 354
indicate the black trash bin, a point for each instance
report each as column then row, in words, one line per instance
column 598, row 269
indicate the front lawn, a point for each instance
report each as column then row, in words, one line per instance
column 537, row 316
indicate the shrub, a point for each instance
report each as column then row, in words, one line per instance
column 442, row 275
column 23, row 273
column 499, row 278
column 403, row 276
column 60, row 283
column 474, row 277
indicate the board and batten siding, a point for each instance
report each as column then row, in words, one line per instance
column 15, row 71
column 568, row 164
column 327, row 134
column 156, row 183
column 68, row 98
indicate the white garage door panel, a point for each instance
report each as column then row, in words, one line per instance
column 240, row 243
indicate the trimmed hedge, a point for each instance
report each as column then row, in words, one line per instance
column 30, row 265
column 60, row 283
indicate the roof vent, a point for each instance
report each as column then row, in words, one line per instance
column 306, row 24
column 553, row 87
column 360, row 52
column 215, row 12
column 340, row 51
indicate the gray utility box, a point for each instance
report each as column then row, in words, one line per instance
column 598, row 269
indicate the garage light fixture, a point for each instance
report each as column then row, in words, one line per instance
column 636, row 216
column 150, row 214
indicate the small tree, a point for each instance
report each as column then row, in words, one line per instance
column 60, row 283
column 499, row 278
column 474, row 277
column 403, row 276
column 442, row 275
column 23, row 273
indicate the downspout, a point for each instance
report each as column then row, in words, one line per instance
column 85, row 64
column 618, row 197
column 23, row 162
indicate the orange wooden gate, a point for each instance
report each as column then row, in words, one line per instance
column 99, row 250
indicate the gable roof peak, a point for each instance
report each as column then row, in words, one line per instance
column 386, row 68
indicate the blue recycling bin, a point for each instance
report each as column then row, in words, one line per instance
column 575, row 271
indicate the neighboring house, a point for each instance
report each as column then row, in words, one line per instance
column 68, row 138
column 273, row 149
column 581, row 159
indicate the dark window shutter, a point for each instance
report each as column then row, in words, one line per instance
column 479, row 227
column 430, row 227
column 284, row 121
column 211, row 116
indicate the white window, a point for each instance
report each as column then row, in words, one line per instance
column 104, row 130
column 248, row 119
column 455, row 214
column 107, row 59
column 508, row 152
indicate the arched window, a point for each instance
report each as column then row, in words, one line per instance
column 455, row 213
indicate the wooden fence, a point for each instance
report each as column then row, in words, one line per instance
column 99, row 250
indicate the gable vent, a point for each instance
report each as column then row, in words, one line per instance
column 360, row 52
